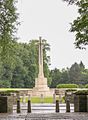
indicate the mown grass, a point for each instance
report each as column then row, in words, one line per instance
column 39, row 100
column 42, row 100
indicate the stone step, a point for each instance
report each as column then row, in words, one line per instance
column 50, row 116
column 58, row 116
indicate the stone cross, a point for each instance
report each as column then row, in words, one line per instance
column 41, row 74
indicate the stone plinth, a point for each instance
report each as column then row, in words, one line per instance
column 41, row 87
column 41, row 84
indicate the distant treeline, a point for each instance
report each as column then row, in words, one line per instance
column 76, row 74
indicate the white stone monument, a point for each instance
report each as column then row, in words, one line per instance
column 41, row 86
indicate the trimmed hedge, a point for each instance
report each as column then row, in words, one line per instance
column 81, row 92
column 8, row 92
column 67, row 86
column 71, row 90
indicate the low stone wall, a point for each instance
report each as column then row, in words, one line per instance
column 25, row 92
column 31, row 92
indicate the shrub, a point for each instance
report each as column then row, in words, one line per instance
column 81, row 92
column 67, row 86
column 71, row 90
column 86, row 86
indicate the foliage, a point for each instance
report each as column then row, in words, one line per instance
column 71, row 1
column 67, row 86
column 81, row 92
column 76, row 74
column 55, row 75
column 8, row 23
column 7, row 92
column 71, row 90
column 81, row 86
column 4, row 83
column 23, row 69
column 86, row 86
column 80, row 25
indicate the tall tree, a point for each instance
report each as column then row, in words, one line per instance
column 80, row 25
column 75, row 73
column 8, row 22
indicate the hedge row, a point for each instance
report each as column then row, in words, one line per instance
column 67, row 86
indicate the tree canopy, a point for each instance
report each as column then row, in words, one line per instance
column 23, row 69
column 80, row 24
column 8, row 27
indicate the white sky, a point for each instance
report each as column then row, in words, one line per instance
column 50, row 19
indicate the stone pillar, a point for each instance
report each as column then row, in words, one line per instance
column 68, row 105
column 80, row 103
column 54, row 98
column 18, row 106
column 87, row 103
column 23, row 98
column 6, row 104
column 29, row 97
column 76, row 103
column 42, row 98
column 60, row 98
column 29, row 106
column 57, row 105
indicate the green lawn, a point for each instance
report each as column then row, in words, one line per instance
column 44, row 100
column 39, row 100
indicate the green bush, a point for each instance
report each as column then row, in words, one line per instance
column 86, row 86
column 81, row 92
column 71, row 90
column 67, row 86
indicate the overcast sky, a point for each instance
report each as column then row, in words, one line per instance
column 51, row 19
